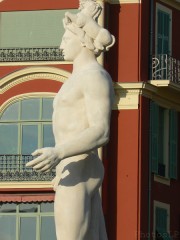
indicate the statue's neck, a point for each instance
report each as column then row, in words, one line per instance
column 84, row 58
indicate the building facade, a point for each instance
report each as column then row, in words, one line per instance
column 140, row 190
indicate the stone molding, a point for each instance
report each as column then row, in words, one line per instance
column 26, row 185
column 164, row 92
column 32, row 73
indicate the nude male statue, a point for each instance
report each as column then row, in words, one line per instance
column 81, row 118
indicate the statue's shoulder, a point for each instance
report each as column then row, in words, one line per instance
column 95, row 79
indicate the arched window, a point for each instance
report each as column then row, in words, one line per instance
column 25, row 126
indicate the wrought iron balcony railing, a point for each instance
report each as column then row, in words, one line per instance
column 165, row 67
column 30, row 54
column 13, row 168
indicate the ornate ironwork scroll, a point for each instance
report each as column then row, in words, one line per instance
column 13, row 168
column 165, row 67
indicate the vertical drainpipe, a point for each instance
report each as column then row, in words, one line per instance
column 151, row 38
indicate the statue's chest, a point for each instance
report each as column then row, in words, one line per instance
column 69, row 93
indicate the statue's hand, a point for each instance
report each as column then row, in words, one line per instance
column 47, row 158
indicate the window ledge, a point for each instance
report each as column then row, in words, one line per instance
column 26, row 185
column 162, row 180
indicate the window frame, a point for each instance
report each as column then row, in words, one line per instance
column 38, row 215
column 40, row 122
column 162, row 205
column 167, row 142
column 169, row 12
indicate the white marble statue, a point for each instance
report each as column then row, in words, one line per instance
column 81, row 119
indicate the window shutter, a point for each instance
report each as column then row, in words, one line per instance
column 161, row 220
column 154, row 129
column 161, row 224
column 163, row 32
column 166, row 35
column 173, row 128
column 160, row 32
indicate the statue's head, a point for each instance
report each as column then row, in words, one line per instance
column 90, row 33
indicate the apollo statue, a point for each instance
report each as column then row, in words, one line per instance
column 81, row 120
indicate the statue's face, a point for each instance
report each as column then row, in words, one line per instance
column 70, row 45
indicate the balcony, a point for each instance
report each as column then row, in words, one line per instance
column 165, row 67
column 13, row 168
column 30, row 54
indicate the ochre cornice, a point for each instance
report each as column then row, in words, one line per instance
column 26, row 185
column 164, row 92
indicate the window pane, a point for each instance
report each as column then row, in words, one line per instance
column 7, row 227
column 28, row 207
column 47, row 207
column 29, row 138
column 8, row 138
column 11, row 113
column 28, row 228
column 30, row 109
column 48, row 137
column 47, row 109
column 7, row 208
column 29, row 28
column 48, row 228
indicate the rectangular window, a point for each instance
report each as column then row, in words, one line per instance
column 32, row 29
column 161, row 221
column 163, row 30
column 163, row 141
column 31, row 35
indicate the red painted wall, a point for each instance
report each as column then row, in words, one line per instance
column 37, row 85
column 123, row 175
column 126, row 54
column 15, row 5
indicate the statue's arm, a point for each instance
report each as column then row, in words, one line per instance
column 98, row 96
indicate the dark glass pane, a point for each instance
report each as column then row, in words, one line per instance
column 28, row 207
column 47, row 108
column 47, row 207
column 48, row 228
column 48, row 137
column 28, row 228
column 11, row 113
column 29, row 138
column 30, row 109
column 8, row 138
column 7, row 208
column 8, row 227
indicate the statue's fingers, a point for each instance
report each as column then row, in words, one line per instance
column 35, row 161
column 51, row 167
column 46, row 168
column 40, row 165
column 37, row 152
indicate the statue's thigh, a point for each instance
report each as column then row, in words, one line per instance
column 72, row 212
